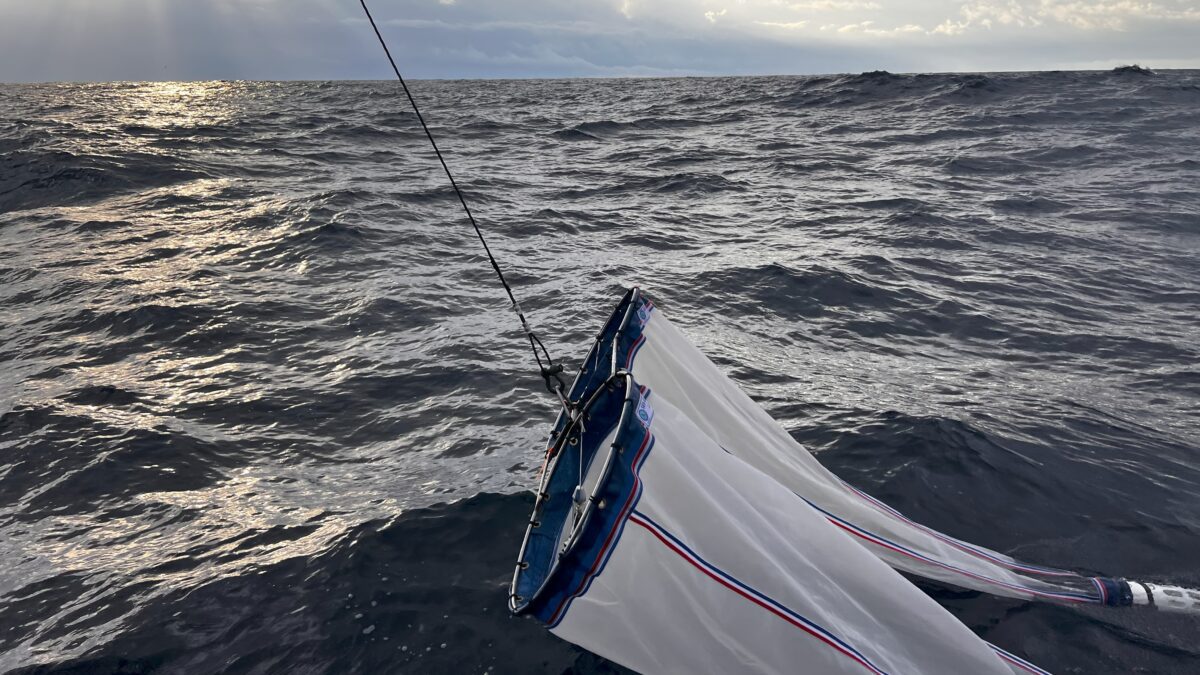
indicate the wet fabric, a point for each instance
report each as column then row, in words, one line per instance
column 680, row 529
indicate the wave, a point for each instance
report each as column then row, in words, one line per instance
column 36, row 179
column 250, row 341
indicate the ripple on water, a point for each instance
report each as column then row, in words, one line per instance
column 251, row 348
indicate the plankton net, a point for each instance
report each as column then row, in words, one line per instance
column 678, row 527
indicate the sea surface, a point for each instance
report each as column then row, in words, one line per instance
column 266, row 410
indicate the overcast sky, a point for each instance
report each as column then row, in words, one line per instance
column 45, row 40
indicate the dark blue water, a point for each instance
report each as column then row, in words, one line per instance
column 265, row 410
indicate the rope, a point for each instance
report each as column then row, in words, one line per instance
column 551, row 372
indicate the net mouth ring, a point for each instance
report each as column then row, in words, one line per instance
column 535, row 570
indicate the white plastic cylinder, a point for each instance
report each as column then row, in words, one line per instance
column 1166, row 598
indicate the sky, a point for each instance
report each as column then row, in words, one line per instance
column 98, row 40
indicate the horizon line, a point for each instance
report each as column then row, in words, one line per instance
column 608, row 77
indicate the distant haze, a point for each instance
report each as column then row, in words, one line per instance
column 81, row 40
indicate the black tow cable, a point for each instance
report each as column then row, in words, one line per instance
column 551, row 372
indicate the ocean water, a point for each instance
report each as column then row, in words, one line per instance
column 265, row 409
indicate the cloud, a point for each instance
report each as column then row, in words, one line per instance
column 1088, row 16
column 949, row 27
column 1113, row 15
column 834, row 5
column 712, row 16
column 868, row 28
column 328, row 39
column 855, row 27
column 787, row 25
